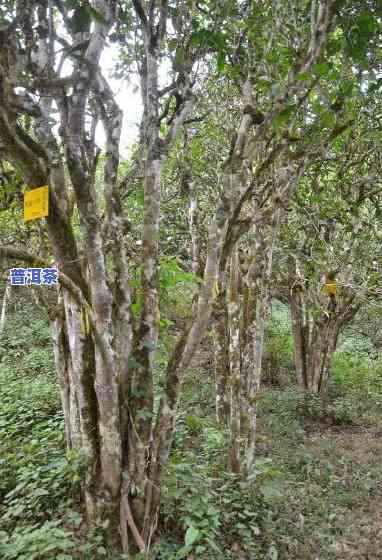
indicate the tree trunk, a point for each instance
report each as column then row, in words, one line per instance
column 7, row 294
column 314, row 343
column 193, row 224
column 252, row 361
column 299, row 333
column 322, row 348
column 235, row 380
column 221, row 355
column 66, row 384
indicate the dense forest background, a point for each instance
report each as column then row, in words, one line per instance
column 205, row 381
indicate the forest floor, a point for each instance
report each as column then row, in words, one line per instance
column 346, row 481
column 361, row 524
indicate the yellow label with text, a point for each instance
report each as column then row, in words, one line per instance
column 36, row 203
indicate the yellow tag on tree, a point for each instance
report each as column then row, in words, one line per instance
column 36, row 203
column 331, row 288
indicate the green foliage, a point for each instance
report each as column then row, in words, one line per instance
column 171, row 274
column 38, row 480
column 190, row 502
column 172, row 281
column 355, row 375
column 27, row 329
column 32, row 543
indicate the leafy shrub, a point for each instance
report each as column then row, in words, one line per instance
column 189, row 503
column 357, row 389
column 39, row 480
column 48, row 541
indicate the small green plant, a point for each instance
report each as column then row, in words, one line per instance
column 190, row 503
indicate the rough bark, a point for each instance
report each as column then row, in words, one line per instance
column 193, row 224
column 6, row 297
column 315, row 337
column 64, row 369
column 258, row 279
column 235, row 378
column 221, row 354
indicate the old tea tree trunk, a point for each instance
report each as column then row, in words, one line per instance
column 315, row 335
column 104, row 358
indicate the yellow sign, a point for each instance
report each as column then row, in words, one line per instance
column 331, row 288
column 36, row 203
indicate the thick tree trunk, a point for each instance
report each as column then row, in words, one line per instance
column 193, row 224
column 221, row 355
column 83, row 375
column 322, row 348
column 235, row 380
column 299, row 333
column 314, row 343
column 252, row 361
column 258, row 286
column 66, row 383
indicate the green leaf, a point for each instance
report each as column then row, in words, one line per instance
column 136, row 308
column 191, row 536
column 367, row 23
column 321, row 69
column 214, row 545
column 303, row 76
column 375, row 86
column 270, row 491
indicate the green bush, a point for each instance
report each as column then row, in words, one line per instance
column 39, row 481
column 47, row 541
column 356, row 386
